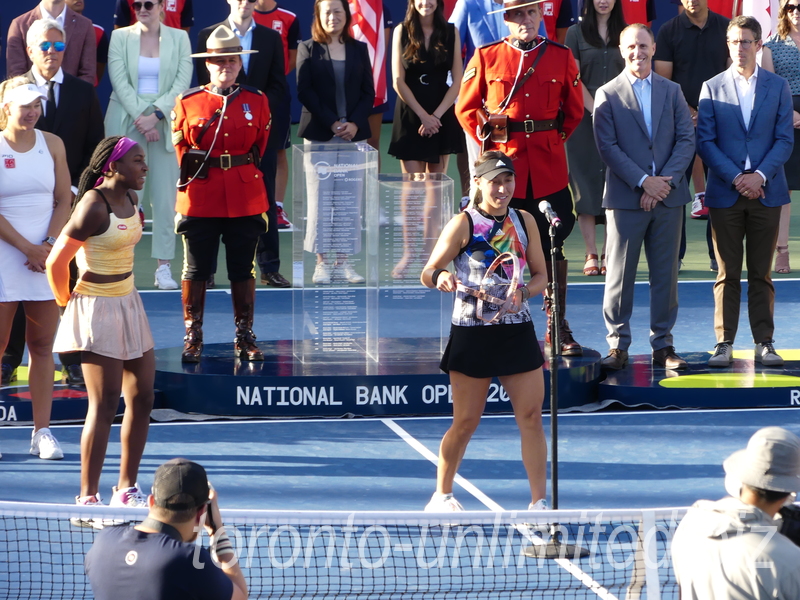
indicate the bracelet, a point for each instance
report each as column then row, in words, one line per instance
column 436, row 273
column 221, row 544
column 526, row 293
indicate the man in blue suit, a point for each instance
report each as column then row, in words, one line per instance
column 744, row 135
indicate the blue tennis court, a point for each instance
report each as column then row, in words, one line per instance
column 606, row 460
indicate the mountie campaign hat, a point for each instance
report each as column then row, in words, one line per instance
column 494, row 166
column 180, row 476
column 223, row 42
column 509, row 4
column 770, row 462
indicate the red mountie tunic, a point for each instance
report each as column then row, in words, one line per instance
column 555, row 84
column 235, row 192
column 284, row 22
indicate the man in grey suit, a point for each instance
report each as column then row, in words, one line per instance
column 644, row 133
column 744, row 135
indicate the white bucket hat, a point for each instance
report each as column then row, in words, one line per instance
column 770, row 462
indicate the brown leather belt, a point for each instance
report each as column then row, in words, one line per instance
column 530, row 126
column 227, row 161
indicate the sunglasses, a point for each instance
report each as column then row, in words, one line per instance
column 137, row 6
column 57, row 46
column 791, row 8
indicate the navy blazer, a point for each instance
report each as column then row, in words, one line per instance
column 316, row 89
column 723, row 141
column 79, row 122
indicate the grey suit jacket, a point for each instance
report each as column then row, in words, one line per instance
column 80, row 56
column 625, row 146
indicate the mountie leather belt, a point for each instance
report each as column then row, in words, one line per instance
column 530, row 126
column 227, row 161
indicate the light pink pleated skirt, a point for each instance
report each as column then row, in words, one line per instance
column 115, row 326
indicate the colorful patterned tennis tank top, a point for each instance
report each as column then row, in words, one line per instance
column 488, row 240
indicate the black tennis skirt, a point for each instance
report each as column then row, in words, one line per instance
column 492, row 350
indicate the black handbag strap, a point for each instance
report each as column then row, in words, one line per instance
column 518, row 86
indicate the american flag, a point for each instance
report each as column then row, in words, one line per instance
column 765, row 11
column 368, row 27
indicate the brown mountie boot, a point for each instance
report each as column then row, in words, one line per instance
column 243, row 294
column 569, row 347
column 193, row 295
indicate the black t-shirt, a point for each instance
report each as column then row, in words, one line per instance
column 696, row 54
column 127, row 563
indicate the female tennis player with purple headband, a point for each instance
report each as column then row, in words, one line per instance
column 492, row 334
column 104, row 318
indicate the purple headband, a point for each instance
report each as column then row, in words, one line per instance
column 121, row 149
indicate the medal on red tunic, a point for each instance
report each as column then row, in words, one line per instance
column 247, row 114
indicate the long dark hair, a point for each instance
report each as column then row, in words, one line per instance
column 95, row 167
column 416, row 39
column 318, row 33
column 783, row 21
column 616, row 23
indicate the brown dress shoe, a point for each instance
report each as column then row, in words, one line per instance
column 275, row 280
column 616, row 359
column 666, row 357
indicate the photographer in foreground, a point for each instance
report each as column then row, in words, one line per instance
column 159, row 559
column 733, row 548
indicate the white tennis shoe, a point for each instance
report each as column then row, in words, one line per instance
column 443, row 503
column 45, row 445
column 131, row 497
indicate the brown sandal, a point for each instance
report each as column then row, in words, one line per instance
column 591, row 267
column 603, row 265
column 782, row 260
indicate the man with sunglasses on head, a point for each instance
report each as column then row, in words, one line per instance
column 161, row 557
column 177, row 13
column 80, row 56
column 744, row 135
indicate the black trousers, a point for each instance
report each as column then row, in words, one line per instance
column 201, row 237
column 562, row 204
column 268, row 254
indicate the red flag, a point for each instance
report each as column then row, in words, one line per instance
column 368, row 27
column 766, row 11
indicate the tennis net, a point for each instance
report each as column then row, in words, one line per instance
column 370, row 555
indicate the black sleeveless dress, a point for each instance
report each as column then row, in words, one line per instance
column 428, row 82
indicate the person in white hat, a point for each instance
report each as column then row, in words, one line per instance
column 35, row 200
column 732, row 548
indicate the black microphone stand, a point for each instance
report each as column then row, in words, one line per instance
column 554, row 547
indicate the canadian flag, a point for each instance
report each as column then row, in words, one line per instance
column 766, row 11
column 368, row 26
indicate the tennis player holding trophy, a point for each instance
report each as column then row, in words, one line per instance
column 492, row 334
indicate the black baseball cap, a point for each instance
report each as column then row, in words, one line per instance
column 180, row 477
column 494, row 166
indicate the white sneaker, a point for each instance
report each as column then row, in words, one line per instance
column 322, row 274
column 766, row 355
column 723, row 355
column 45, row 446
column 540, row 504
column 164, row 280
column 443, row 503
column 349, row 272
column 131, row 497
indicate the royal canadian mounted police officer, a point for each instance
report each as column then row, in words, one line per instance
column 522, row 96
column 220, row 131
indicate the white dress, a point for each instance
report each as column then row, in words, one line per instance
column 27, row 181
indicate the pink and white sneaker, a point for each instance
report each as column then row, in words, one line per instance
column 131, row 497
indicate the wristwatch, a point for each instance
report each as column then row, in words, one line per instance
column 157, row 112
column 49, row 240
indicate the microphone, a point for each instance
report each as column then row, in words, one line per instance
column 549, row 213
